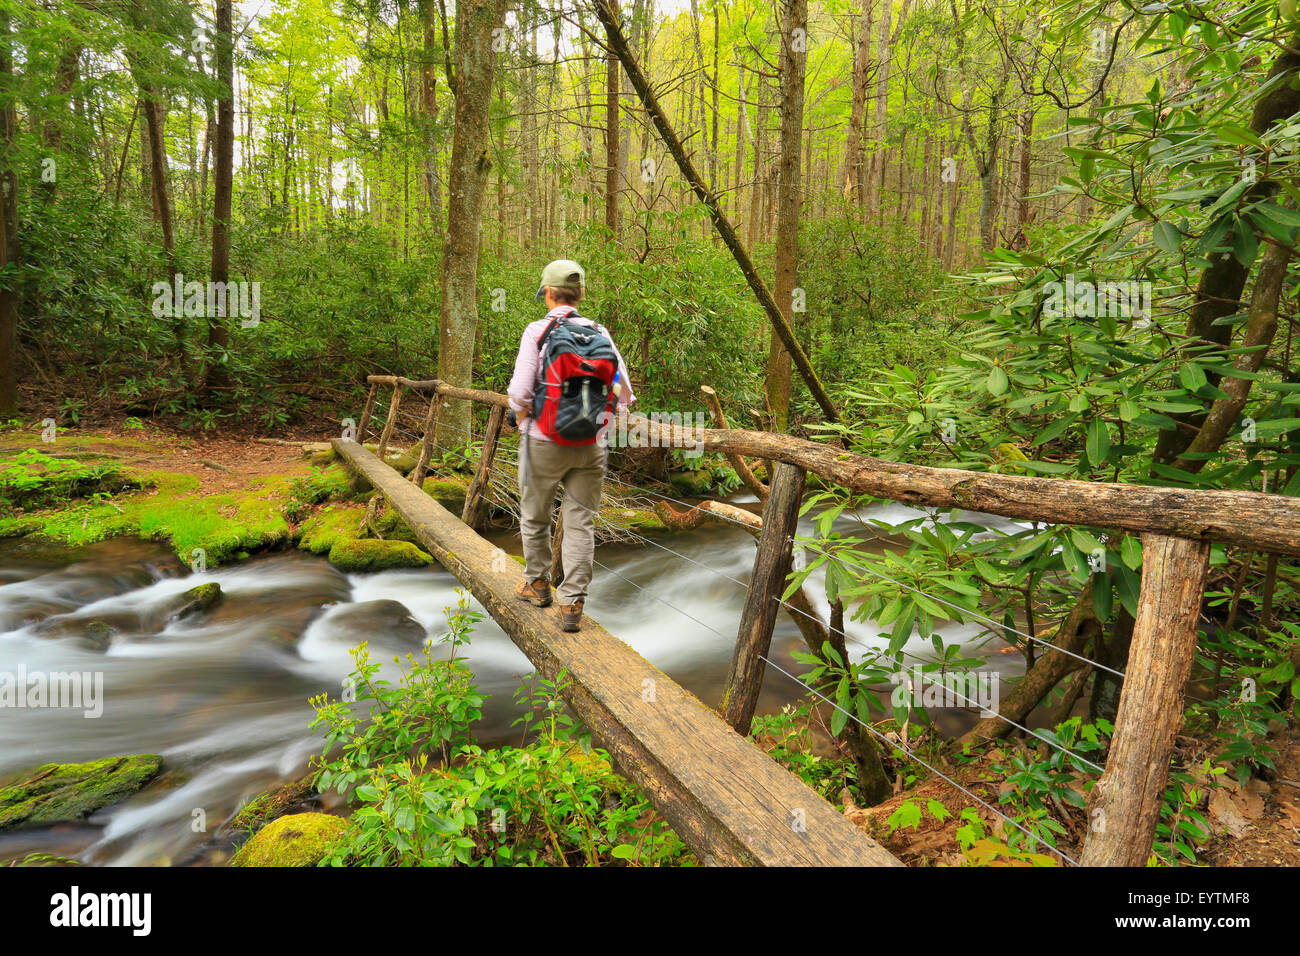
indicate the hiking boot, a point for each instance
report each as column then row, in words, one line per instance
column 538, row 593
column 571, row 616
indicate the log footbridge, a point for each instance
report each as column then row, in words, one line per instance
column 729, row 801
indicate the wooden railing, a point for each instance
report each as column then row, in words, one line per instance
column 1176, row 526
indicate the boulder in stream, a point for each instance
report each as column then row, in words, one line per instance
column 358, row 555
column 68, row 792
column 300, row 839
column 194, row 601
column 382, row 621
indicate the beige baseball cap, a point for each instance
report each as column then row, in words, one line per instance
column 564, row 274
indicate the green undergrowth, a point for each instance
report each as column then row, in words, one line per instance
column 423, row 792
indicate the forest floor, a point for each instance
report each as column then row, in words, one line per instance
column 1252, row 824
column 221, row 463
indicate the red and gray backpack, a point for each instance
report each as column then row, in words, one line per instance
column 577, row 367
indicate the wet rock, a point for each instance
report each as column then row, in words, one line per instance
column 26, row 610
column 358, row 556
column 300, row 839
column 64, row 793
column 98, row 634
column 194, row 601
column 388, row 622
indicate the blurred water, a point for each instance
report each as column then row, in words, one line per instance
column 222, row 696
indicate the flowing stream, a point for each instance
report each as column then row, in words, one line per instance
column 222, row 695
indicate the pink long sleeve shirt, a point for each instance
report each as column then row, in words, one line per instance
column 524, row 380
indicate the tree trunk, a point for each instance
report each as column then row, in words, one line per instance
column 1219, row 291
column 789, row 195
column 612, row 69
column 470, row 164
column 223, row 180
column 429, row 109
column 854, row 169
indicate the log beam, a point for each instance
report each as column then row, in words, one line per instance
column 727, row 799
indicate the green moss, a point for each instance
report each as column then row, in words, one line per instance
column 33, row 479
column 634, row 519
column 449, row 491
column 392, row 526
column 374, row 555
column 197, row 599
column 300, row 839
column 64, row 793
column 330, row 525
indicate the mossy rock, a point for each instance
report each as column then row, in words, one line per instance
column 266, row 807
column 64, row 793
column 195, row 601
column 300, row 839
column 448, row 492
column 322, row 458
column 355, row 556
column 33, row 479
column 392, row 526
column 329, row 526
column 404, row 462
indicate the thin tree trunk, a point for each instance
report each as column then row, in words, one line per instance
column 793, row 63
column 224, row 64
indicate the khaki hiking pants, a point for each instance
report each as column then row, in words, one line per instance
column 544, row 466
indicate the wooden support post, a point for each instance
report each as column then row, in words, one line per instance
column 391, row 423
column 1125, row 804
column 365, row 415
column 426, row 443
column 483, row 475
column 771, row 565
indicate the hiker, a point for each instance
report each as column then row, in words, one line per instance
column 569, row 382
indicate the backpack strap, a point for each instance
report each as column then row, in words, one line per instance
column 546, row 334
column 541, row 343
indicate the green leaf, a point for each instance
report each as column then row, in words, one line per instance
column 1167, row 237
column 1130, row 552
column 1098, row 442
column 1192, row 376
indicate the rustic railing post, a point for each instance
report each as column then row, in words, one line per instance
column 1125, row 804
column 483, row 475
column 426, row 443
column 391, row 422
column 365, row 415
column 771, row 565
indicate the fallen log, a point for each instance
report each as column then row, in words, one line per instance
column 727, row 799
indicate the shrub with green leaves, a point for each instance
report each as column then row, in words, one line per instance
column 424, row 794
